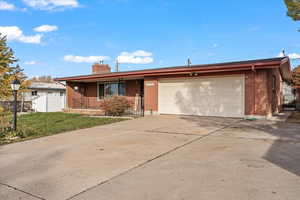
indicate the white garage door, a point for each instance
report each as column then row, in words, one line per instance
column 223, row 96
column 54, row 102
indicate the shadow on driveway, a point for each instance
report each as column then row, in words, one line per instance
column 284, row 151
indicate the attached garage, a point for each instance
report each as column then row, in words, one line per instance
column 205, row 96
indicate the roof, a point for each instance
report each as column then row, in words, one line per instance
column 49, row 86
column 205, row 68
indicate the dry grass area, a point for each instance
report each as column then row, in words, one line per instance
column 294, row 118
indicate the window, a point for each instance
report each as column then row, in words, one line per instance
column 111, row 89
column 121, row 89
column 274, row 83
column 34, row 93
column 61, row 94
column 100, row 91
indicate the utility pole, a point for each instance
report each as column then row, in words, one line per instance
column 189, row 62
column 117, row 66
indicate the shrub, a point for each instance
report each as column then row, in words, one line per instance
column 5, row 122
column 116, row 105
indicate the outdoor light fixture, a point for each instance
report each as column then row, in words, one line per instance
column 15, row 86
column 76, row 88
column 194, row 74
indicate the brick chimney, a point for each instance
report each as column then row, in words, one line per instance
column 100, row 68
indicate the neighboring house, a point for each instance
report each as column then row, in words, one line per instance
column 288, row 94
column 46, row 97
column 233, row 89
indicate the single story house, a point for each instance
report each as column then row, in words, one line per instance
column 250, row 88
column 46, row 97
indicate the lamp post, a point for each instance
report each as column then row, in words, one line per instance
column 15, row 86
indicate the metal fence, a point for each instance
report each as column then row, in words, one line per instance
column 137, row 110
column 289, row 102
column 22, row 106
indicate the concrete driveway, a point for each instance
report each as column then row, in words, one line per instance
column 162, row 157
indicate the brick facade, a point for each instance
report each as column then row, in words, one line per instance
column 263, row 91
column 151, row 95
column 87, row 95
column 260, row 99
column 100, row 68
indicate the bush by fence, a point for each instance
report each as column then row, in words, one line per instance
column 116, row 105
column 5, row 122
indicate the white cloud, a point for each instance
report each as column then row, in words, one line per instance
column 215, row 45
column 293, row 56
column 6, row 6
column 14, row 33
column 51, row 4
column 45, row 28
column 83, row 59
column 30, row 62
column 137, row 57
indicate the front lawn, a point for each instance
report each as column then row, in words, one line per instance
column 44, row 124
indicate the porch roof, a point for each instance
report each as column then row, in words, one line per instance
column 283, row 63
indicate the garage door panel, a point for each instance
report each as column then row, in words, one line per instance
column 204, row 96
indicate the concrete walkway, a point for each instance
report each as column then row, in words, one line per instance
column 163, row 157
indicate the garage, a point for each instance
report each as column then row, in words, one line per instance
column 46, row 97
column 205, row 96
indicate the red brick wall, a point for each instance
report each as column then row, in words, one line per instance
column 249, row 96
column 257, row 96
column 133, row 87
column 86, row 97
column 151, row 94
column 276, row 94
column 256, row 93
column 90, row 95
column 72, row 95
column 100, row 68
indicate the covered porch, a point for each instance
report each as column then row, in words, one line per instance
column 87, row 95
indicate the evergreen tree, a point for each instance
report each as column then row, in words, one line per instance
column 7, row 71
column 293, row 7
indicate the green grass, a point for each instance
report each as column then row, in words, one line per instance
column 44, row 124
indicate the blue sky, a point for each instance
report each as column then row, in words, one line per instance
column 143, row 34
